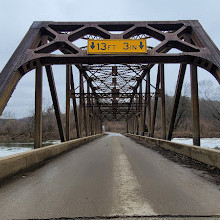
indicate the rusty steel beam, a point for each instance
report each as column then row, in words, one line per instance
column 74, row 103
column 127, row 126
column 148, row 103
column 176, row 99
column 195, row 105
column 88, row 110
column 68, row 102
column 137, row 114
column 91, row 118
column 109, row 95
column 95, row 124
column 163, row 107
column 38, row 108
column 100, row 126
column 11, row 73
column 81, row 104
column 145, row 107
column 200, row 51
column 56, row 106
column 113, row 79
column 84, row 111
column 155, row 103
column 141, row 126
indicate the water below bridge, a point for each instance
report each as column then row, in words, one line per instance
column 7, row 149
column 109, row 176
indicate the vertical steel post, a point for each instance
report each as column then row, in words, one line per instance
column 145, row 108
column 95, row 124
column 88, row 110
column 92, row 116
column 148, row 103
column 81, row 104
column 128, row 125
column 84, row 110
column 74, row 103
column 141, row 127
column 163, row 107
column 137, row 124
column 100, row 125
column 133, row 125
column 195, row 105
column 137, row 116
column 38, row 108
column 38, row 101
column 155, row 101
column 176, row 99
column 67, row 102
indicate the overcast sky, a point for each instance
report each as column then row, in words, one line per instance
column 16, row 16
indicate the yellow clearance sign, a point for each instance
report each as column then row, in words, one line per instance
column 116, row 46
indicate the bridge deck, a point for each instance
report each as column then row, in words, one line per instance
column 112, row 175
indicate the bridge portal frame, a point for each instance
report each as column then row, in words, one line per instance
column 43, row 38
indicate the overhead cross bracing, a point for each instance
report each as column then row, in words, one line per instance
column 112, row 86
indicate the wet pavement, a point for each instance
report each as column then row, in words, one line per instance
column 112, row 176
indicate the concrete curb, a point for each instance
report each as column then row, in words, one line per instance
column 204, row 155
column 11, row 165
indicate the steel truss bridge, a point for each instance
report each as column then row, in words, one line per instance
column 111, row 87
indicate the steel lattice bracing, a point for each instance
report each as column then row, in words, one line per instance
column 114, row 86
column 111, row 87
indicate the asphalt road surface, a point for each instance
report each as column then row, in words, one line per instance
column 110, row 176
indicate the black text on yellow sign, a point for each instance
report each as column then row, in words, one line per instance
column 116, row 46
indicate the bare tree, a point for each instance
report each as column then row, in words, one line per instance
column 184, row 108
column 211, row 93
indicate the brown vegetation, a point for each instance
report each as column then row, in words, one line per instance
column 21, row 130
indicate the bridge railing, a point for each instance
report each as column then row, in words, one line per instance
column 14, row 164
column 207, row 156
